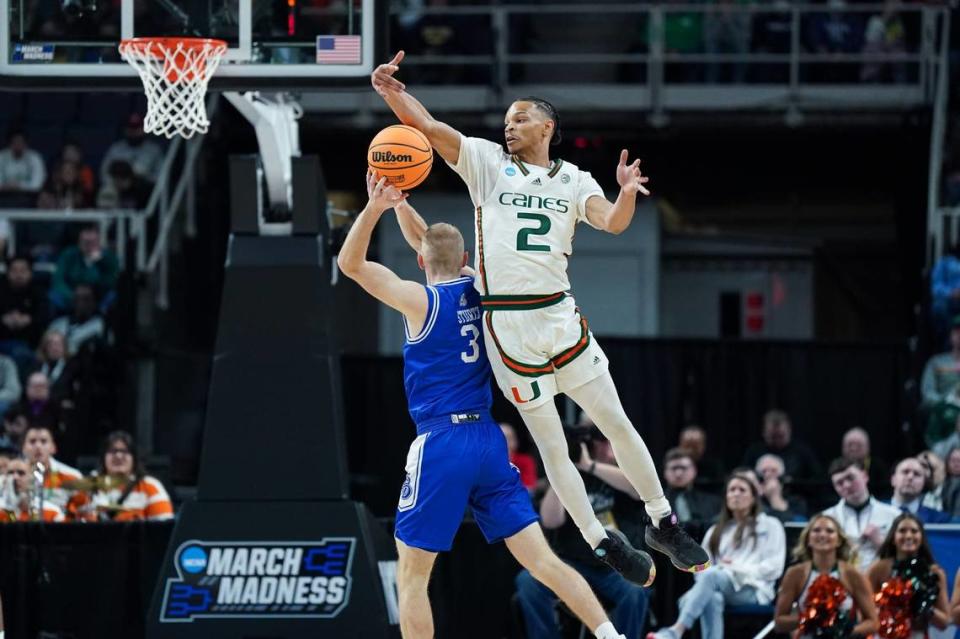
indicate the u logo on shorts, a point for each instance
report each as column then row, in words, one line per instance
column 535, row 388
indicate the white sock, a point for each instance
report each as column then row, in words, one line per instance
column 603, row 631
column 599, row 400
column 544, row 425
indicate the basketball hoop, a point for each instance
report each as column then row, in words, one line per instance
column 175, row 73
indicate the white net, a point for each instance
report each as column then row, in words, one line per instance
column 175, row 73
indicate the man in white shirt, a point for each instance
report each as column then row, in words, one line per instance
column 21, row 168
column 863, row 518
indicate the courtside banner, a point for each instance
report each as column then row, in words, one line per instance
column 259, row 580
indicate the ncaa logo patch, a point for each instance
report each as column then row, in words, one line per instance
column 565, row 178
column 217, row 580
column 510, row 171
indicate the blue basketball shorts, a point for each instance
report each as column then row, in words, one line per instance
column 454, row 466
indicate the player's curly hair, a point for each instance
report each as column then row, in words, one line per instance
column 551, row 112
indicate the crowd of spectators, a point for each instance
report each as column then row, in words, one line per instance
column 67, row 182
column 728, row 29
column 871, row 530
column 58, row 374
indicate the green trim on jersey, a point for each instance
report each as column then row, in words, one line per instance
column 577, row 349
column 519, row 302
column 527, row 370
column 556, row 167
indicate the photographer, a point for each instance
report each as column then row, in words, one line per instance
column 617, row 505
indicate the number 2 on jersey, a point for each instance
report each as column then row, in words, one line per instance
column 523, row 236
column 471, row 331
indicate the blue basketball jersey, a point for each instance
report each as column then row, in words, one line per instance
column 445, row 367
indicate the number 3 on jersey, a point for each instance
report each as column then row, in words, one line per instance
column 523, row 236
column 471, row 331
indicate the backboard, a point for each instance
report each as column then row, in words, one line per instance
column 273, row 44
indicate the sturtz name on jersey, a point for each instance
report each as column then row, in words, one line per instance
column 534, row 202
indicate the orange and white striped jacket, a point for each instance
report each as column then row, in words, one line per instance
column 51, row 513
column 147, row 501
column 53, row 490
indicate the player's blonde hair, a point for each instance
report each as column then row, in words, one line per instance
column 442, row 248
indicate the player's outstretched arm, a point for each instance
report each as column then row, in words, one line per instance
column 444, row 138
column 615, row 217
column 405, row 296
column 412, row 225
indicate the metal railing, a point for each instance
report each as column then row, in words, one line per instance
column 656, row 58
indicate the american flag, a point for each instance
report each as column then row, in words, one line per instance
column 338, row 49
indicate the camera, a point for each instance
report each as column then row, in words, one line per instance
column 575, row 436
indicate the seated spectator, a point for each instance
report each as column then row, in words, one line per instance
column 84, row 323
column 864, row 519
column 144, row 156
column 71, row 152
column 826, row 560
column 693, row 439
column 23, row 312
column 725, row 32
column 936, row 473
column 123, row 188
column 747, row 549
column 522, row 461
column 885, row 35
column 9, row 383
column 39, row 447
column 86, row 263
column 14, row 427
column 798, row 458
column 941, row 374
column 834, row 31
column 19, row 499
column 773, row 498
column 615, row 503
column 856, row 446
column 906, row 556
column 37, row 404
column 67, row 187
column 129, row 494
column 945, row 303
column 55, row 362
column 951, row 485
column 908, row 480
column 941, row 447
column 692, row 506
column 942, row 418
column 6, row 454
column 21, row 168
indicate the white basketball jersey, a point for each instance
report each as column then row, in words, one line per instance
column 525, row 216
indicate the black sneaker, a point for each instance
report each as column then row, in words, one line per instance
column 635, row 565
column 675, row 543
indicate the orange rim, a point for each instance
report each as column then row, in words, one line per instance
column 156, row 46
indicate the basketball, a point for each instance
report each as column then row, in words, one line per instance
column 402, row 154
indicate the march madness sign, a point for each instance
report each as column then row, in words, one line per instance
column 259, row 580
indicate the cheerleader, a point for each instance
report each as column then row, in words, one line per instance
column 911, row 588
column 822, row 594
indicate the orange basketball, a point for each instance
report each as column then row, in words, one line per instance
column 402, row 154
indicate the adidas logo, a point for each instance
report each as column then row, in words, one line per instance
column 463, row 299
column 596, row 360
column 537, row 182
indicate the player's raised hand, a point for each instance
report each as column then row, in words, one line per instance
column 382, row 77
column 382, row 195
column 629, row 177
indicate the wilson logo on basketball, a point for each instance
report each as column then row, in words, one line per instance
column 389, row 156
